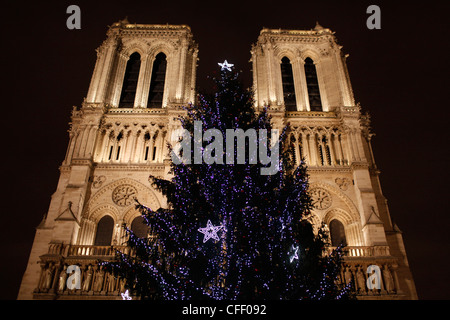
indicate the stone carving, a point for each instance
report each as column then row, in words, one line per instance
column 348, row 277
column 343, row 183
column 388, row 280
column 111, row 282
column 124, row 195
column 99, row 280
column 360, row 281
column 62, row 278
column 87, row 280
column 98, row 181
column 321, row 199
column 49, row 274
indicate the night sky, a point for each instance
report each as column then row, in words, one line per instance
column 399, row 74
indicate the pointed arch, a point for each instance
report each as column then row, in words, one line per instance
column 287, row 80
column 312, row 84
column 130, row 81
column 104, row 232
column 337, row 233
column 146, row 195
column 157, row 82
column 139, row 227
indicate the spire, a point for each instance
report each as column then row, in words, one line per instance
column 124, row 21
column 318, row 27
column 121, row 23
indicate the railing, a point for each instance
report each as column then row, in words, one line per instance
column 314, row 114
column 138, row 110
column 95, row 282
column 90, row 250
column 84, row 250
column 361, row 251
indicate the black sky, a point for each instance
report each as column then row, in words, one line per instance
column 399, row 74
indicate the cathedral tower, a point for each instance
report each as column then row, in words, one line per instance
column 117, row 138
column 143, row 74
column 302, row 76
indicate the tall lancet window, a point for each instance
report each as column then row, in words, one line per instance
column 155, row 96
column 287, row 79
column 313, row 85
column 337, row 233
column 105, row 228
column 130, row 81
column 139, row 227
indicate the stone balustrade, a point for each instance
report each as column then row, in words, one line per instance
column 95, row 282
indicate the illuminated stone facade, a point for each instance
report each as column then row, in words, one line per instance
column 117, row 138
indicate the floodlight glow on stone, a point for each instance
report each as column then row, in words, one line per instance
column 226, row 65
column 210, row 231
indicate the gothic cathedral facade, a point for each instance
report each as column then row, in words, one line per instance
column 117, row 138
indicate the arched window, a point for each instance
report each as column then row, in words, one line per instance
column 337, row 233
column 130, row 81
column 104, row 232
column 313, row 85
column 156, row 93
column 139, row 227
column 287, row 79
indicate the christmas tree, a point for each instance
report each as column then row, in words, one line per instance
column 237, row 223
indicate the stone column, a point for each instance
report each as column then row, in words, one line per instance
column 337, row 149
column 304, row 86
column 193, row 75
column 70, row 149
column 299, row 94
column 81, row 132
column 297, row 148
column 139, row 101
column 322, row 87
column 331, row 149
column 347, row 146
column 118, row 79
column 313, row 149
column 105, row 76
column 306, row 153
column 181, row 72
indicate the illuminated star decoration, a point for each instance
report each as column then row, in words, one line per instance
column 295, row 255
column 210, row 231
column 226, row 65
column 125, row 296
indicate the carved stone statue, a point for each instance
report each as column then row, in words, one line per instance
column 347, row 275
column 388, row 281
column 111, row 282
column 49, row 273
column 88, row 278
column 99, row 280
column 360, row 281
column 122, row 285
column 62, row 278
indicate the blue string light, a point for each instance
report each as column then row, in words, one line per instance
column 262, row 218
